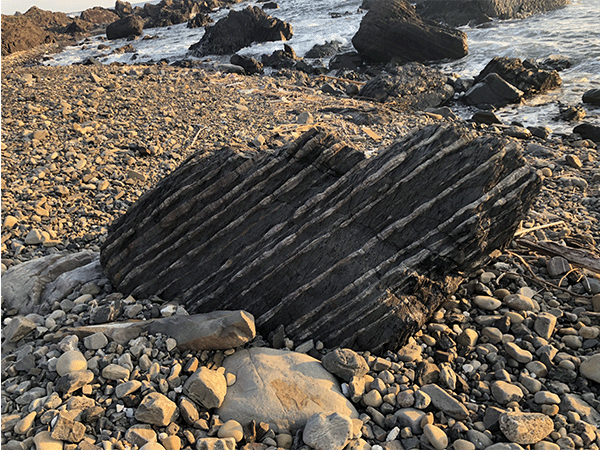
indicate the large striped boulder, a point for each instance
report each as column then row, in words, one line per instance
column 351, row 250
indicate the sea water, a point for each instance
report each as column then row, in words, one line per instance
column 572, row 31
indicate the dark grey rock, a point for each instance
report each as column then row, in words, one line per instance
column 493, row 90
column 240, row 29
column 290, row 263
column 392, row 29
column 125, row 27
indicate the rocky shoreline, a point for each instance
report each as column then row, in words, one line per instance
column 510, row 361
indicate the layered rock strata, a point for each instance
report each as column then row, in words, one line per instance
column 347, row 249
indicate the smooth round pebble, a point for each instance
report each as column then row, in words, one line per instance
column 231, row 429
column 435, row 436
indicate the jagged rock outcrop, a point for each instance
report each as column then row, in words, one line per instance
column 128, row 26
column 99, row 15
column 199, row 20
column 240, row 29
column 281, row 59
column 21, row 33
column 123, row 8
column 523, row 75
column 412, row 85
column 353, row 251
column 393, row 30
column 456, row 13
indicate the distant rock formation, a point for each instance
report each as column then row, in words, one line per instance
column 240, row 29
column 393, row 30
column 338, row 247
column 456, row 13
column 412, row 85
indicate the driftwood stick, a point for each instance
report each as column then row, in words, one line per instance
column 535, row 278
column 539, row 227
column 579, row 257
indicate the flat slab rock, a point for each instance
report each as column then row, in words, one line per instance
column 281, row 388
column 351, row 250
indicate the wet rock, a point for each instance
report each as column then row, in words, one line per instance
column 240, row 29
column 199, row 20
column 592, row 97
column 588, row 131
column 393, row 30
column 128, row 26
column 325, row 50
column 524, row 76
column 493, row 90
column 282, row 388
column 463, row 12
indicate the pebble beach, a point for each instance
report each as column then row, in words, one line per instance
column 510, row 361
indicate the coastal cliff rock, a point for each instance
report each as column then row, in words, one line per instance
column 456, row 13
column 336, row 246
column 99, row 15
column 240, row 29
column 393, row 30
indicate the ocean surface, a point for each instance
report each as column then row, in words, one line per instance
column 573, row 32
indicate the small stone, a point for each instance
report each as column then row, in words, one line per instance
column 10, row 222
column 590, row 368
column 156, row 409
column 487, row 303
column 115, row 372
column 304, row 118
column 544, row 324
column 18, row 328
column 324, row 432
column 445, row 402
column 517, row 353
column 153, row 445
column 67, row 429
column 188, row 411
column 410, row 352
column 25, row 424
column 545, row 445
column 72, row 381
column 284, row 440
column 127, row 388
column 140, row 435
column 557, row 266
column 505, row 392
column 206, row 387
column 462, row 444
column 519, row 302
column 231, row 429
column 546, row 398
column 95, row 341
column 525, row 428
column 573, row 161
column 435, row 436
column 172, row 442
column 44, row 441
column 71, row 361
column 215, row 444
column 34, row 237
column 373, row 398
column 410, row 418
column 345, row 363
column 468, row 338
